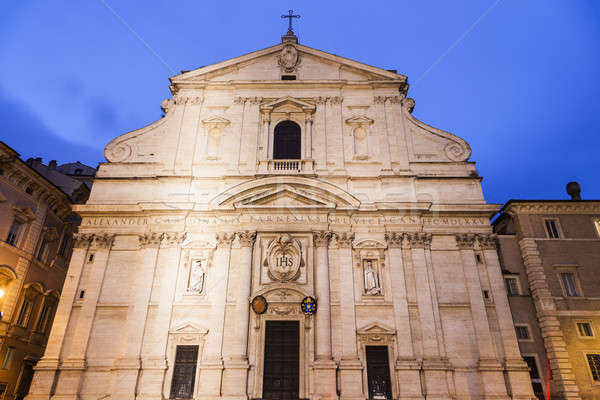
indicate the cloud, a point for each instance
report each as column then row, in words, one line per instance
column 28, row 135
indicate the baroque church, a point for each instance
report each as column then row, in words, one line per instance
column 288, row 230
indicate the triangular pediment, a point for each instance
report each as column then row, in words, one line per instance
column 278, row 192
column 252, row 65
column 288, row 104
column 188, row 328
column 285, row 196
column 359, row 120
column 377, row 329
column 216, row 121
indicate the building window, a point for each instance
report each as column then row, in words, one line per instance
column 584, row 329
column 597, row 225
column 478, row 258
column 24, row 313
column 534, row 375
column 8, row 356
column 13, row 233
column 552, row 228
column 64, row 245
column 287, row 141
column 522, row 332
column 569, row 284
column 184, row 372
column 512, row 286
column 41, row 254
column 593, row 361
column 42, row 323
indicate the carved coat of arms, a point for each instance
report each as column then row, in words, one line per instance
column 284, row 259
column 289, row 58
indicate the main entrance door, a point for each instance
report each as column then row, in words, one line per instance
column 282, row 359
column 378, row 373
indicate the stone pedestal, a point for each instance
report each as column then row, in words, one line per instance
column 409, row 381
column 325, row 379
column 351, row 379
column 235, row 380
column 211, row 373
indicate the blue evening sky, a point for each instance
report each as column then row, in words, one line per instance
column 517, row 79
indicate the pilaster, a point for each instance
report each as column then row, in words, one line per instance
column 324, row 367
column 211, row 366
column 74, row 363
column 47, row 368
column 128, row 365
column 235, row 376
column 405, row 365
column 563, row 382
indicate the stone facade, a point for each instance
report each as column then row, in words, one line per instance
column 379, row 218
column 554, row 267
column 36, row 225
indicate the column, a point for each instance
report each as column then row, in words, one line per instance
column 265, row 141
column 128, row 365
column 236, row 370
column 434, row 365
column 382, row 134
column 211, row 367
column 308, row 128
column 324, row 367
column 73, row 365
column 250, row 128
column 320, row 138
column 154, row 362
column 489, row 366
column 350, row 365
column 46, row 368
column 517, row 378
column 406, row 365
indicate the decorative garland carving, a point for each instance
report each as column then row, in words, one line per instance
column 394, row 239
column 173, row 239
column 419, row 239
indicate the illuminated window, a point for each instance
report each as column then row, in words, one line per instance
column 597, row 225
column 13, row 234
column 24, row 313
column 569, row 284
column 522, row 332
column 584, row 329
column 552, row 228
column 512, row 286
column 42, row 323
column 593, row 361
column 41, row 255
column 8, row 357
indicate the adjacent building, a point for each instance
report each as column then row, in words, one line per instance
column 288, row 230
column 36, row 227
column 550, row 256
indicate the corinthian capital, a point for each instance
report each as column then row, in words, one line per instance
column 394, row 239
column 151, row 239
column 419, row 239
column 321, row 238
column 246, row 238
column 224, row 239
column 344, row 239
column 82, row 240
column 102, row 240
column 488, row 242
column 173, row 239
column 465, row 240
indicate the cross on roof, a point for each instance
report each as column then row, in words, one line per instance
column 289, row 16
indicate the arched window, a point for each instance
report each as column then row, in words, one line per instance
column 286, row 141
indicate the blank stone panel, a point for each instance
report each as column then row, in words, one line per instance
column 122, row 266
column 461, row 345
column 449, row 277
column 107, row 334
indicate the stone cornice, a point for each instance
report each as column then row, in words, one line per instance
column 515, row 207
column 17, row 172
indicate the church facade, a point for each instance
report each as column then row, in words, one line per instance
column 288, row 230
